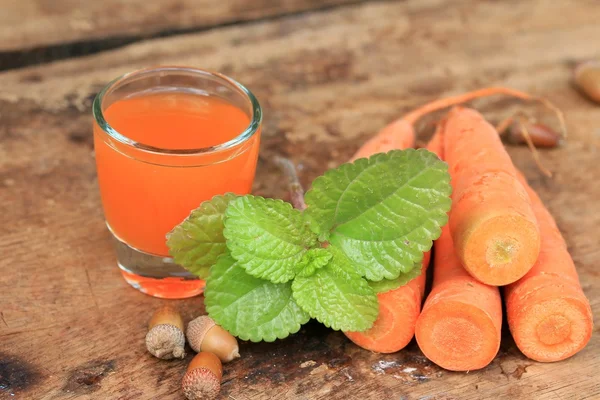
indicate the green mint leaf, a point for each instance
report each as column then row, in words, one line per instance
column 267, row 237
column 336, row 296
column 383, row 212
column 251, row 308
column 313, row 260
column 385, row 285
column 198, row 241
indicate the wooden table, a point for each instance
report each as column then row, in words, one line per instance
column 329, row 74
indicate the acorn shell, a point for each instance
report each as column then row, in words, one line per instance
column 587, row 79
column 203, row 377
column 203, row 334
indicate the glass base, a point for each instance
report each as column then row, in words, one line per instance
column 155, row 275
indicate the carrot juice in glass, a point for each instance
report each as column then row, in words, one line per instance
column 166, row 139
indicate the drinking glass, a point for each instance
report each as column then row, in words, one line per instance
column 150, row 178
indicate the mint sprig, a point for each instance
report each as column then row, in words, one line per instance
column 364, row 232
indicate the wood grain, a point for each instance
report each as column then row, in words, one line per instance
column 27, row 24
column 71, row 328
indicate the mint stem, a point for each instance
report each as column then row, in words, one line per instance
column 294, row 185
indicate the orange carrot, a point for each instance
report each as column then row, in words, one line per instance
column 436, row 144
column 398, row 308
column 495, row 233
column 548, row 314
column 398, row 135
column 459, row 327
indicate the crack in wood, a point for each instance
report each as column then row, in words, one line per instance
column 15, row 59
column 27, row 331
column 3, row 320
column 87, row 276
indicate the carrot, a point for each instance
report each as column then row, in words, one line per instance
column 398, row 135
column 548, row 314
column 398, row 308
column 436, row 144
column 495, row 233
column 459, row 327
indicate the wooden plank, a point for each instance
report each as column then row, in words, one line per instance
column 70, row 328
column 30, row 24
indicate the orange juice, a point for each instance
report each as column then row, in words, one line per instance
column 160, row 152
column 143, row 201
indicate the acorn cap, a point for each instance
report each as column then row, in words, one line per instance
column 200, row 384
column 197, row 330
column 166, row 341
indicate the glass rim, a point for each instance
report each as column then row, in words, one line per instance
column 246, row 134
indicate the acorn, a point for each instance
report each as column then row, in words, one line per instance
column 587, row 79
column 203, row 377
column 203, row 334
column 541, row 135
column 165, row 338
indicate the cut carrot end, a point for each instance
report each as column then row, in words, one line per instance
column 501, row 249
column 457, row 336
column 553, row 329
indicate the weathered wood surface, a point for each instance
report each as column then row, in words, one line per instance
column 71, row 328
column 26, row 24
